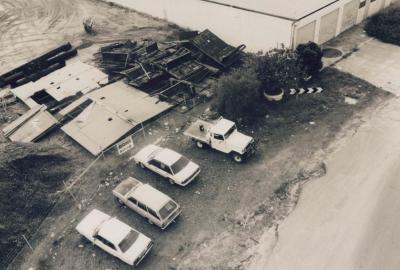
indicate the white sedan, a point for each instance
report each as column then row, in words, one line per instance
column 167, row 163
column 115, row 237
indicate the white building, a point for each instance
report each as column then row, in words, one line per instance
column 263, row 24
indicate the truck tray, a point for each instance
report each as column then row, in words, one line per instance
column 195, row 132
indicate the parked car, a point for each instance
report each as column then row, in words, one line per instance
column 158, row 208
column 167, row 163
column 223, row 136
column 115, row 237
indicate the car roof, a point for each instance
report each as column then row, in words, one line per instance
column 167, row 156
column 114, row 230
column 127, row 185
column 150, row 196
column 222, row 126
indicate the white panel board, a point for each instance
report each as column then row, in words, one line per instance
column 328, row 26
column 305, row 33
column 350, row 12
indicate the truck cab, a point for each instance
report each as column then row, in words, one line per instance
column 223, row 136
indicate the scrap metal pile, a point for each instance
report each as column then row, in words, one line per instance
column 96, row 113
column 38, row 67
column 169, row 70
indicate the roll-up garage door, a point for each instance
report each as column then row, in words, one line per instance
column 328, row 26
column 350, row 13
column 305, row 33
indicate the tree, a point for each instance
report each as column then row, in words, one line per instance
column 278, row 69
column 310, row 57
column 385, row 26
column 238, row 94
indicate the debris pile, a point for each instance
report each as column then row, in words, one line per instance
column 169, row 69
column 81, row 99
column 38, row 67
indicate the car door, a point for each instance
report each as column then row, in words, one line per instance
column 155, row 166
column 106, row 246
column 142, row 210
column 132, row 204
column 218, row 142
column 154, row 217
column 165, row 170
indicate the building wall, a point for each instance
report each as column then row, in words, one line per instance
column 235, row 26
column 259, row 32
column 336, row 18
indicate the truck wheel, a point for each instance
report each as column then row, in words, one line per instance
column 199, row 144
column 237, row 158
column 172, row 182
column 120, row 202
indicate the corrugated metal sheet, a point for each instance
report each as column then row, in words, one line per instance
column 73, row 78
column 30, row 126
column 116, row 109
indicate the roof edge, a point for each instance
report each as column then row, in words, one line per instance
column 254, row 11
column 315, row 11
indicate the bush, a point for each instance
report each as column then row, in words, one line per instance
column 385, row 26
column 279, row 69
column 310, row 57
column 238, row 93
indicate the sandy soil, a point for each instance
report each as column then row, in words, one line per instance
column 29, row 28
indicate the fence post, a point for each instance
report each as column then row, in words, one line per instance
column 26, row 240
column 70, row 192
column 144, row 132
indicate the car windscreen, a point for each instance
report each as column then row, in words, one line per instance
column 168, row 209
column 128, row 241
column 179, row 165
column 230, row 131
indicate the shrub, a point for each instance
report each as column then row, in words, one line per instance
column 238, row 93
column 310, row 57
column 278, row 69
column 385, row 26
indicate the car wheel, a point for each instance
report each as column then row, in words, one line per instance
column 237, row 158
column 141, row 165
column 199, row 144
column 172, row 182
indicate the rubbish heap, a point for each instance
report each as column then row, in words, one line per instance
column 38, row 67
column 171, row 68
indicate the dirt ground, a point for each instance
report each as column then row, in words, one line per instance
column 28, row 28
column 348, row 219
column 226, row 210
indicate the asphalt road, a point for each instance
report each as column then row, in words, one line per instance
column 348, row 219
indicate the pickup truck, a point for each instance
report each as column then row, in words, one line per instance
column 223, row 136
